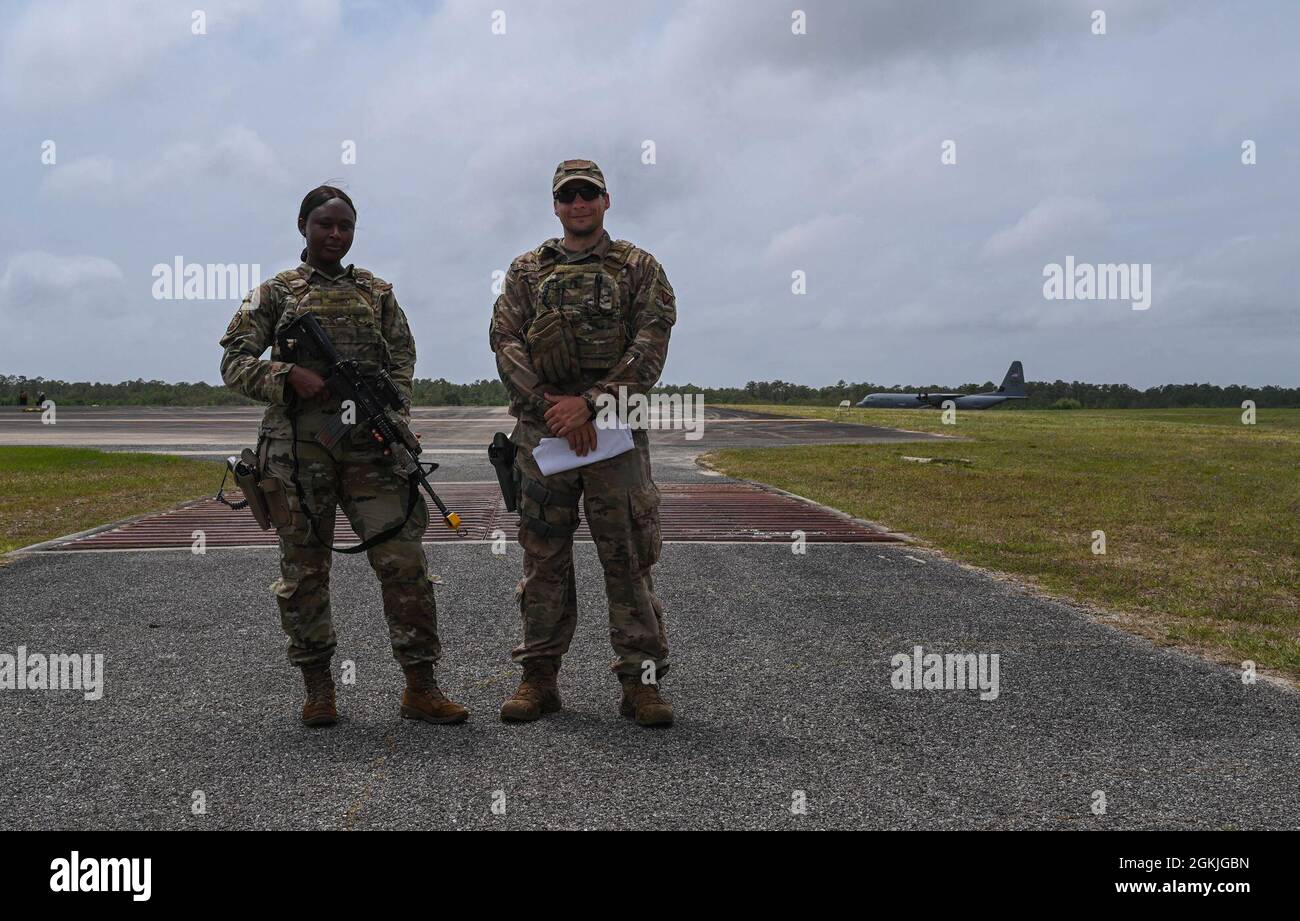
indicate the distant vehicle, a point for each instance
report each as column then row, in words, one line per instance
column 1013, row 388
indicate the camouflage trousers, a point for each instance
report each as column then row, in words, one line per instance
column 621, row 503
column 374, row 498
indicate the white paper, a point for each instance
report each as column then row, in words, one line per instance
column 553, row 455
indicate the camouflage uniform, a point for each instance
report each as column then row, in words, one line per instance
column 622, row 310
column 362, row 317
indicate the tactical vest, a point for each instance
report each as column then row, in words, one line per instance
column 587, row 293
column 349, row 314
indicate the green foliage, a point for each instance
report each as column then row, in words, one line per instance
column 127, row 393
column 444, row 393
column 1198, row 509
column 161, row 393
column 441, row 392
column 46, row 492
column 1066, row 403
column 1041, row 394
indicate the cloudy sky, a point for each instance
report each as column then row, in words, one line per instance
column 774, row 153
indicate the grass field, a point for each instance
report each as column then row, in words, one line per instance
column 1201, row 513
column 49, row 492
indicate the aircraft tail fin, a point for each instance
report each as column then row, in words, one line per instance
column 1013, row 385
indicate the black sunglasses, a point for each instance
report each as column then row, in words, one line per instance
column 588, row 193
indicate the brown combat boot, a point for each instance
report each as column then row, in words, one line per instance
column 642, row 701
column 320, row 709
column 538, row 693
column 422, row 700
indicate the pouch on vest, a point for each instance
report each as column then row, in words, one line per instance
column 347, row 313
column 586, row 294
column 553, row 348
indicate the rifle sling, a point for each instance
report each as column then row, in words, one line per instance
column 369, row 542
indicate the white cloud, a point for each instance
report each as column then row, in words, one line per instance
column 32, row 274
column 1047, row 223
column 775, row 152
column 809, row 236
column 60, row 52
column 93, row 176
column 236, row 155
column 51, row 306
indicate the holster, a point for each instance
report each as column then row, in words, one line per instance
column 264, row 492
column 501, row 455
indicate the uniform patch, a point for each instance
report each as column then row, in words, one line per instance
column 237, row 322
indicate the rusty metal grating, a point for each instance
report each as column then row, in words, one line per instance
column 690, row 512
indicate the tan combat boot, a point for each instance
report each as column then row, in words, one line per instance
column 422, row 700
column 319, row 710
column 538, row 693
column 643, row 702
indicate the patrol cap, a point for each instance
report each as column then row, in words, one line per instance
column 571, row 170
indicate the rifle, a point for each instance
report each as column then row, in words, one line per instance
column 372, row 397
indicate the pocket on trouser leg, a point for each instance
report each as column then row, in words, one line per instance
column 375, row 497
column 303, row 590
column 418, row 523
column 305, row 618
column 318, row 483
column 647, row 534
column 277, row 502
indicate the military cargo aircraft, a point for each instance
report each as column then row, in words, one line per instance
column 1013, row 388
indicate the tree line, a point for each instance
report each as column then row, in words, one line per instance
column 441, row 392
column 1040, row 394
column 140, row 392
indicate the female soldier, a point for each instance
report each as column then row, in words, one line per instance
column 361, row 316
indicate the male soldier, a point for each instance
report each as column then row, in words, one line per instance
column 582, row 316
column 362, row 317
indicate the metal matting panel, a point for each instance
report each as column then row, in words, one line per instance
column 690, row 512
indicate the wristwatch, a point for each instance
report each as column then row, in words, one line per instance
column 591, row 407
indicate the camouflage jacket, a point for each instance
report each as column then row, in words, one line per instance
column 650, row 312
column 253, row 330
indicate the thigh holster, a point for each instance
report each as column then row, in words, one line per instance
column 536, row 499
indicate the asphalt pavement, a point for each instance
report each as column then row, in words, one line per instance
column 784, row 680
column 781, row 678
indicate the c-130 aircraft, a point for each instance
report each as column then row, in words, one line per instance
column 1013, row 388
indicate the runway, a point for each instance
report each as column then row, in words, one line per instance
column 219, row 430
column 455, row 436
